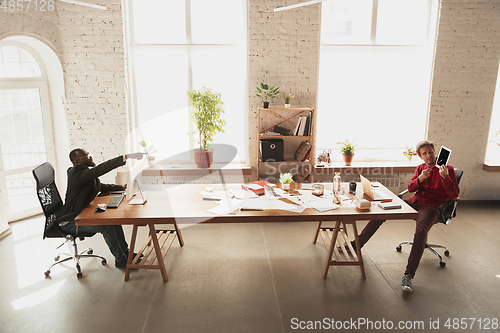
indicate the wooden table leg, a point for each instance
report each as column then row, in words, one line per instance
column 131, row 251
column 318, row 228
column 179, row 235
column 159, row 256
column 333, row 243
column 358, row 250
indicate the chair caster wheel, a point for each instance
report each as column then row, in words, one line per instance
column 57, row 258
column 79, row 275
column 90, row 251
column 447, row 253
column 47, row 274
column 442, row 264
column 104, row 262
column 399, row 248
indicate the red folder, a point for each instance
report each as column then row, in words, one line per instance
column 257, row 187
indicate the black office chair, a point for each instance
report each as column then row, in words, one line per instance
column 447, row 211
column 51, row 203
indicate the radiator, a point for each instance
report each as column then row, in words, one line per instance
column 171, row 183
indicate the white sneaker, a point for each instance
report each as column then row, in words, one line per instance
column 406, row 283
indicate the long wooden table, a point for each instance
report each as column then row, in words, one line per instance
column 183, row 204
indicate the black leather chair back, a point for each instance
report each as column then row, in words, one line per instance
column 448, row 210
column 49, row 198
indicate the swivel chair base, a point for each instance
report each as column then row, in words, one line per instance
column 87, row 253
column 430, row 247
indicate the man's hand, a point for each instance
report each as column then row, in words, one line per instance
column 137, row 156
column 443, row 171
column 424, row 175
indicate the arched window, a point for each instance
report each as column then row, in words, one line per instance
column 26, row 138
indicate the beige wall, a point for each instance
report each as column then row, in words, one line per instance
column 283, row 50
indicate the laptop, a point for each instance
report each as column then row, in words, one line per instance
column 374, row 195
column 142, row 196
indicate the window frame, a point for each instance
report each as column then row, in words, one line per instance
column 40, row 83
column 190, row 47
column 374, row 154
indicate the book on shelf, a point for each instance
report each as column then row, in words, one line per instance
column 302, row 125
column 270, row 134
column 281, row 130
column 296, row 130
column 307, row 130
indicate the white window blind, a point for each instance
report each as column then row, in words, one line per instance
column 375, row 75
column 180, row 45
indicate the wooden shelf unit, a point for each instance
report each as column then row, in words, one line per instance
column 288, row 118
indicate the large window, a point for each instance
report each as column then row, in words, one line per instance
column 179, row 45
column 25, row 127
column 375, row 75
column 493, row 147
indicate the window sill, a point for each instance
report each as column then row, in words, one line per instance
column 188, row 169
column 491, row 166
column 369, row 168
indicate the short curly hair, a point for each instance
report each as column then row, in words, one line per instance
column 424, row 143
column 73, row 155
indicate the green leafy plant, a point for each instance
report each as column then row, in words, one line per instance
column 346, row 147
column 149, row 150
column 286, row 178
column 206, row 115
column 265, row 92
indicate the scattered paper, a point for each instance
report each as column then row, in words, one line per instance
column 321, row 205
column 243, row 194
column 253, row 204
column 226, row 207
column 289, row 207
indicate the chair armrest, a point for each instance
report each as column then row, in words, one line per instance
column 400, row 195
column 442, row 210
column 67, row 217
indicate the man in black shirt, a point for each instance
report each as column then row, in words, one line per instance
column 83, row 187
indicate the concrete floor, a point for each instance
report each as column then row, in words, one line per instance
column 257, row 278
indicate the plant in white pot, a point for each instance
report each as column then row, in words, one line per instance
column 150, row 151
column 206, row 119
column 286, row 179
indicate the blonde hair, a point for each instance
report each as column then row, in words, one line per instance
column 424, row 143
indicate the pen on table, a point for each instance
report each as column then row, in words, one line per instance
column 386, row 201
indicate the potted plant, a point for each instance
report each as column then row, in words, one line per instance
column 206, row 119
column 347, row 149
column 286, row 179
column 288, row 99
column 409, row 153
column 149, row 152
column 265, row 92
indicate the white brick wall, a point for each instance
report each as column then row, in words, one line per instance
column 465, row 72
column 283, row 50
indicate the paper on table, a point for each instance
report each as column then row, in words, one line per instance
column 321, row 205
column 226, row 207
column 253, row 204
column 217, row 195
column 243, row 194
column 289, row 207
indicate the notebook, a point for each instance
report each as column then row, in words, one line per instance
column 374, row 195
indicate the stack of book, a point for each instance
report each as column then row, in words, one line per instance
column 303, row 127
